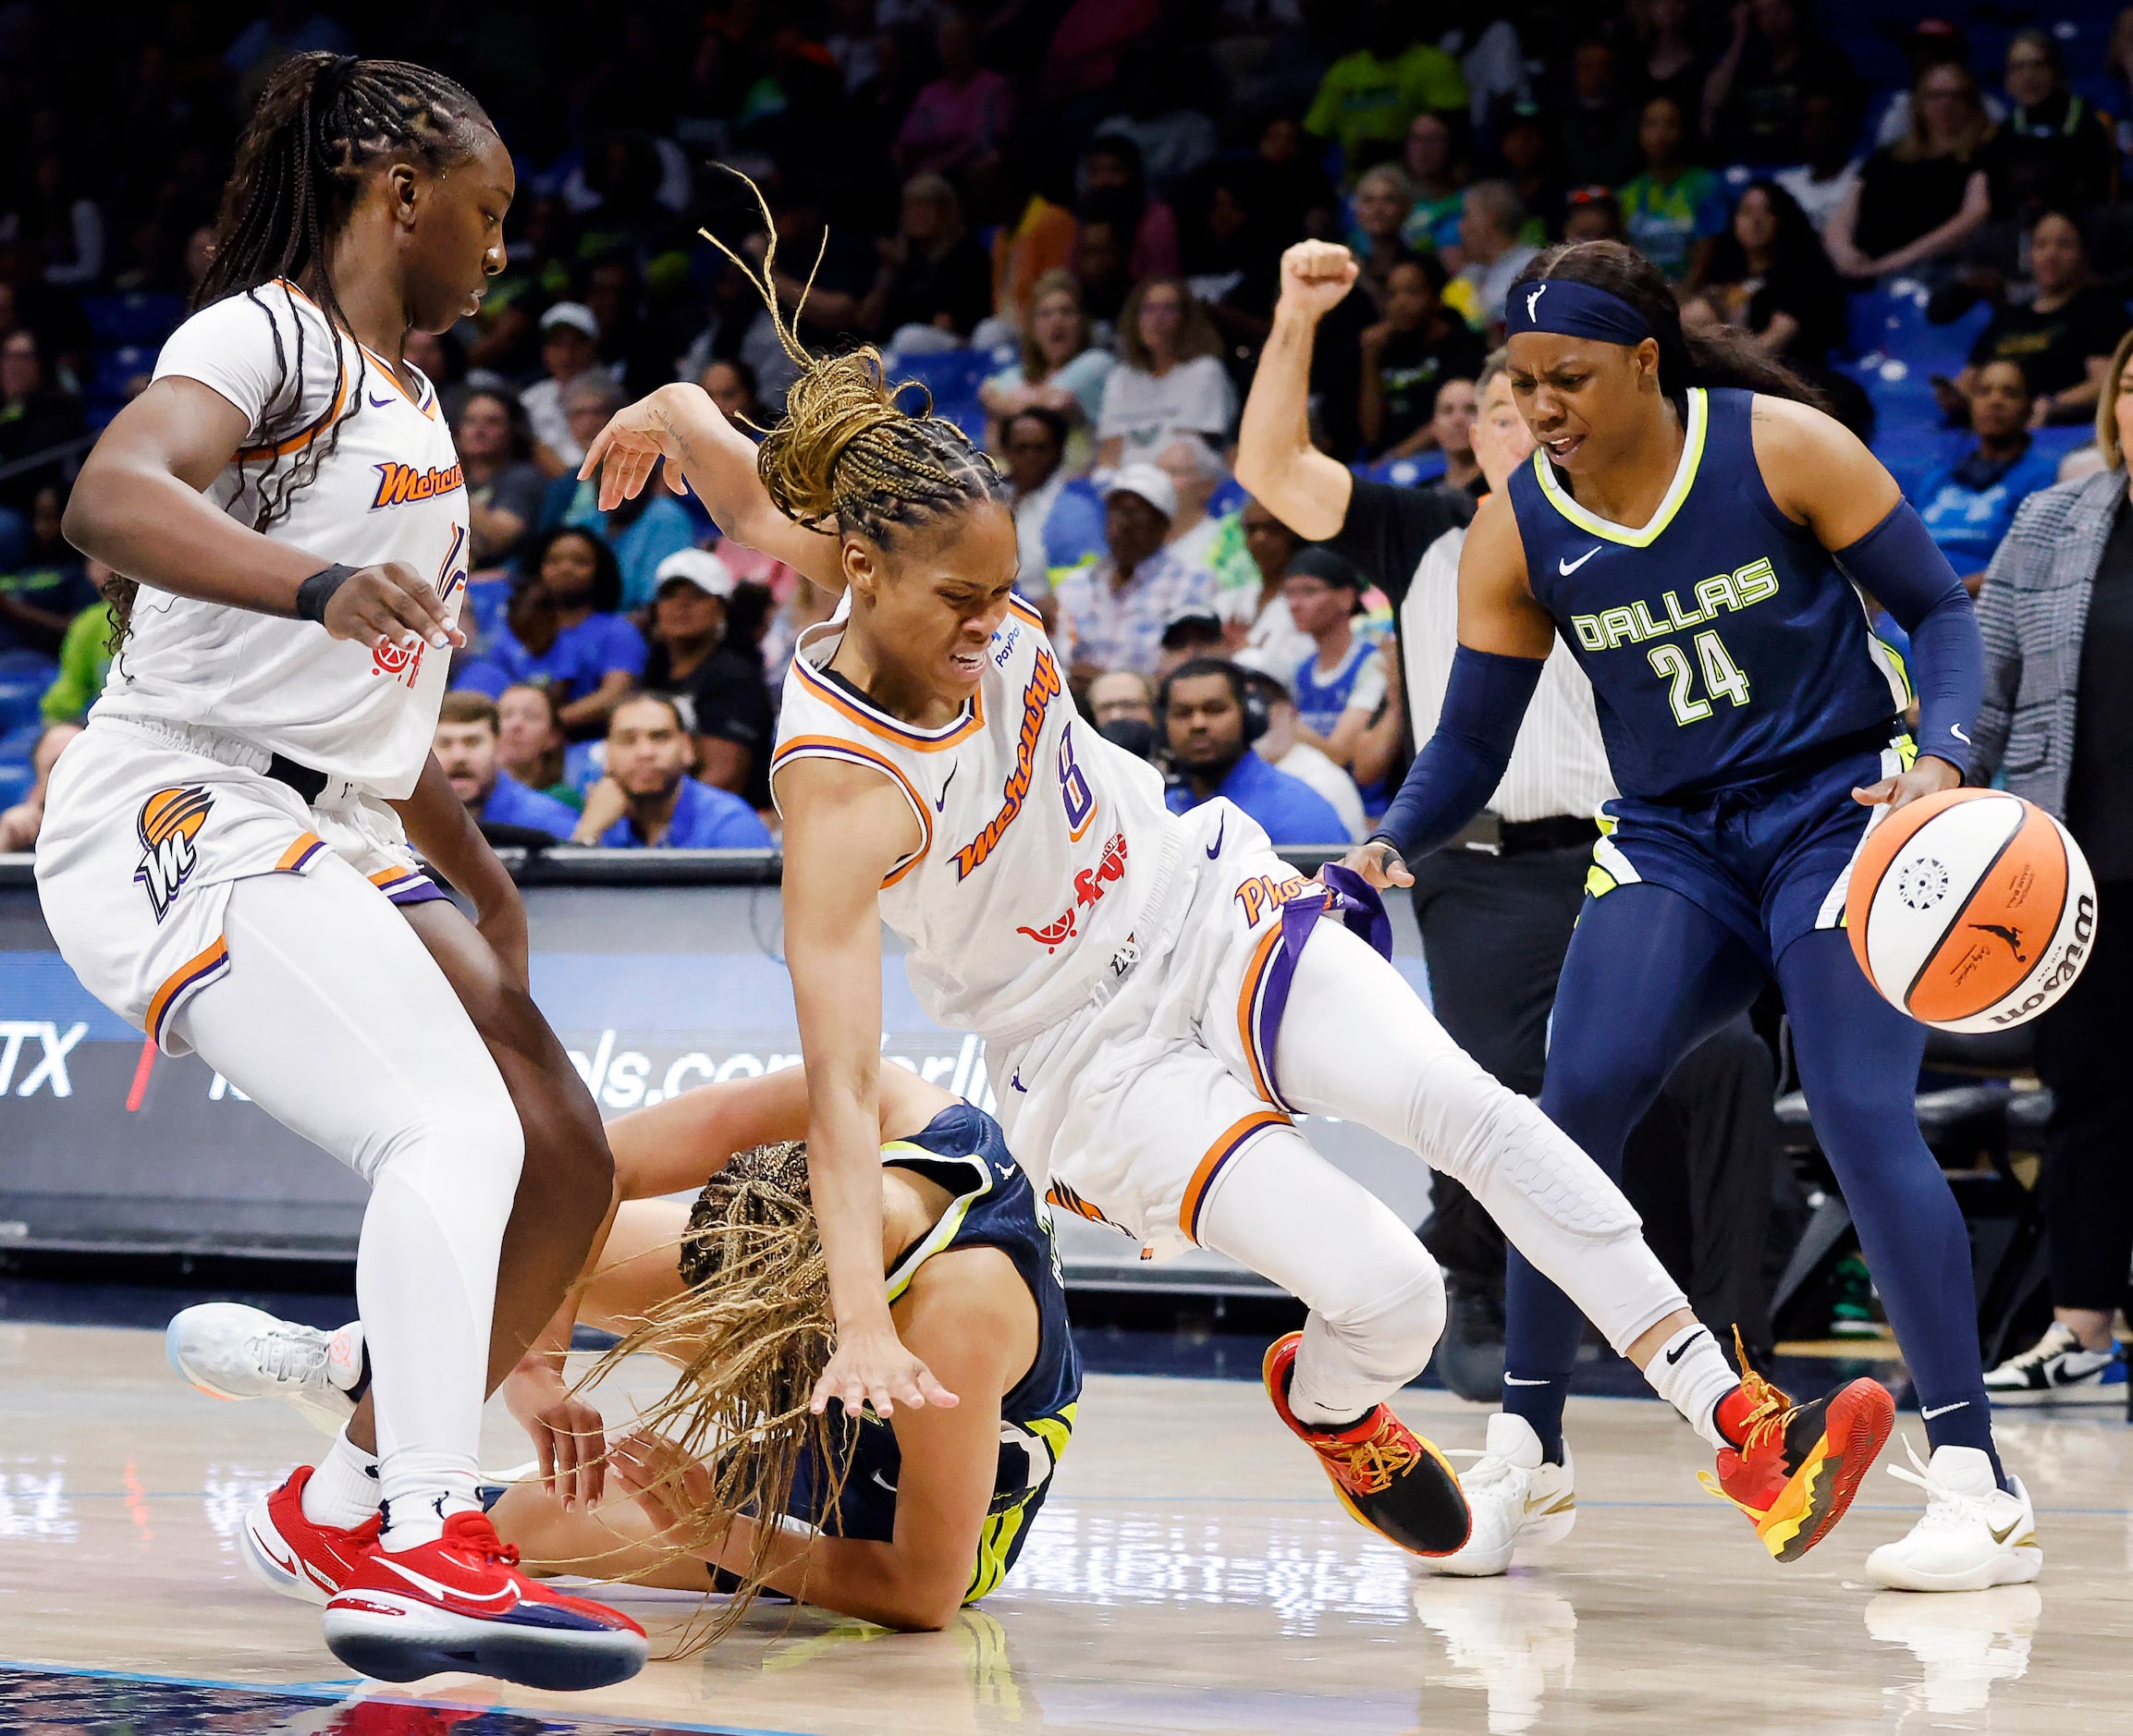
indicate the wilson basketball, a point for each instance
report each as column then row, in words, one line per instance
column 1973, row 910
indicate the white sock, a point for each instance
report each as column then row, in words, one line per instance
column 422, row 1490
column 343, row 1491
column 1692, row 1375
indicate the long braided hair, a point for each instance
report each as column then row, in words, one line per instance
column 321, row 123
column 846, row 455
column 751, row 1333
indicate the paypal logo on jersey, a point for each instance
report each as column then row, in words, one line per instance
column 1720, row 593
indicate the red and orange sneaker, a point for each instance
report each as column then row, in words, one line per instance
column 1387, row 1476
column 296, row 1558
column 460, row 1603
column 1798, row 1465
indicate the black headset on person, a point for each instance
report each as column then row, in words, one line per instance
column 1250, row 701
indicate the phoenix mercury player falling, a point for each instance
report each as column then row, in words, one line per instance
column 1158, row 994
column 224, row 860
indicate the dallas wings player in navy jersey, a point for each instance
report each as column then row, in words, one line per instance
column 1707, row 552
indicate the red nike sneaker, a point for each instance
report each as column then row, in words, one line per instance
column 1386, row 1476
column 460, row 1603
column 1798, row 1465
column 294, row 1557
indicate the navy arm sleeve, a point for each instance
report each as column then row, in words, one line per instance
column 1898, row 563
column 1460, row 766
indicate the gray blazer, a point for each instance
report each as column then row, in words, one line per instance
column 2033, row 612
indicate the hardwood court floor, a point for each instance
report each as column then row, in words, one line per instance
column 1190, row 1574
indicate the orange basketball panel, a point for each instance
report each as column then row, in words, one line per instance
column 2004, row 928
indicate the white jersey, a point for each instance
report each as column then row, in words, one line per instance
column 389, row 489
column 1042, row 841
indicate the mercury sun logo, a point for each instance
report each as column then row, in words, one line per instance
column 169, row 821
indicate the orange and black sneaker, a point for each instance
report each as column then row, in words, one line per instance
column 1797, row 1465
column 1387, row 1475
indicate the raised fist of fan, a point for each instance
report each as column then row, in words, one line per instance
column 1317, row 277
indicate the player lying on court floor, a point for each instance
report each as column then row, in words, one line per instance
column 903, row 1520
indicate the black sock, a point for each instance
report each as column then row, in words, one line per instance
column 1539, row 1401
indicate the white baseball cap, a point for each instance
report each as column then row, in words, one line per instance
column 1149, row 483
column 576, row 316
column 698, row 567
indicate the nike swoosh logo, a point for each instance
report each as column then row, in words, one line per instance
column 1959, row 1404
column 1681, row 1349
column 941, row 801
column 884, row 1483
column 2001, row 1536
column 1957, row 730
column 1513, row 1380
column 1215, row 848
column 503, row 1599
column 1568, row 567
column 381, row 403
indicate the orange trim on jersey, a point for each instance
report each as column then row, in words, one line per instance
column 392, row 876
column 1233, row 1139
column 1016, row 605
column 888, row 728
column 297, row 442
column 195, row 972
column 294, row 858
column 1247, row 1004
column 836, row 748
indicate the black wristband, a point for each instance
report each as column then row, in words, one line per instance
column 316, row 591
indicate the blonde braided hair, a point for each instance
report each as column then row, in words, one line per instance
column 845, row 453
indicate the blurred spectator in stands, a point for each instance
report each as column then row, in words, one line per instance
column 1383, row 199
column 1920, row 199
column 2084, row 461
column 1451, row 428
column 1281, row 749
column 20, row 825
column 739, row 329
column 1669, row 58
column 852, row 41
column 715, row 675
column 1491, row 59
column 1053, row 529
column 842, row 265
column 466, row 747
column 964, row 113
column 643, row 530
column 1598, row 129
column 2056, row 612
column 1527, row 150
column 1033, row 233
column 2053, row 148
column 1210, row 724
column 1769, row 275
column 45, row 586
column 1968, row 505
column 1269, row 635
column 1113, row 176
column 1084, row 51
column 562, row 631
column 647, row 800
column 2062, row 332
column 1170, row 379
column 1406, row 356
column 1298, row 198
column 280, row 28
column 530, row 741
column 1592, row 214
column 1675, row 209
column 1196, row 470
column 1339, row 686
column 1058, row 369
column 504, row 490
column 732, row 387
column 1112, row 611
column 84, row 656
column 1831, row 173
column 1933, row 43
column 1103, row 236
column 1122, row 706
column 1232, row 257
column 939, row 279
column 1366, row 98
column 1753, row 100
column 570, row 351
column 1174, row 139
column 1430, row 155
column 1490, row 221
column 34, row 418
column 1196, row 633
column 56, row 224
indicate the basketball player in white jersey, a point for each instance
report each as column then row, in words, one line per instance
column 1153, row 1014
column 223, row 847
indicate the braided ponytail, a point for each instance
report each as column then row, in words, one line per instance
column 845, row 453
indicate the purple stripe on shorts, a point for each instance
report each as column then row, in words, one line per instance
column 1346, row 895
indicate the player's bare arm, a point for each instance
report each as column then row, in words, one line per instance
column 1304, row 487
column 139, row 507
column 845, row 829
column 439, row 826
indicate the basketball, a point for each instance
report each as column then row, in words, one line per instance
column 1973, row 910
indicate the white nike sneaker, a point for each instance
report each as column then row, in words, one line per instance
column 1974, row 1534
column 2056, row 1370
column 228, row 1351
column 1516, row 1498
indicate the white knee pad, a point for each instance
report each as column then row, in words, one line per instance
column 1388, row 1322
column 1518, row 1163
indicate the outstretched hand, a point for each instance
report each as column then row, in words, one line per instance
column 635, row 441
column 873, row 1368
column 1378, row 863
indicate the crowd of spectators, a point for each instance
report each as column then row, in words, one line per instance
column 1064, row 217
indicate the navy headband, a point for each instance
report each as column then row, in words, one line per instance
column 1569, row 309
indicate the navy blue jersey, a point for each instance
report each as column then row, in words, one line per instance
column 1723, row 644
column 993, row 1205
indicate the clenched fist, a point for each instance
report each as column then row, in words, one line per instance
column 1316, row 275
